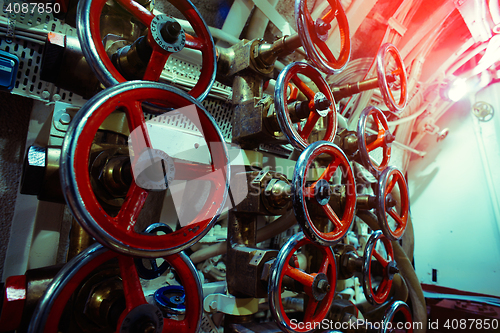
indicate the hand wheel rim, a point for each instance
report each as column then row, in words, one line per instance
column 384, row 188
column 304, row 28
column 391, row 312
column 280, row 99
column 106, row 72
column 382, row 293
column 298, row 197
column 276, row 277
column 81, row 199
column 389, row 99
column 48, row 311
column 364, row 149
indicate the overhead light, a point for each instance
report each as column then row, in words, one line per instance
column 457, row 89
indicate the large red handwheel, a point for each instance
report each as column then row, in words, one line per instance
column 384, row 257
column 51, row 306
column 382, row 66
column 319, row 286
column 392, row 212
column 162, row 44
column 119, row 232
column 397, row 318
column 314, row 35
column 319, row 192
column 321, row 104
column 380, row 142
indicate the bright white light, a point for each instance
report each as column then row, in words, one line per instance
column 458, row 89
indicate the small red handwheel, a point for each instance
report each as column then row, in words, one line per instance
column 319, row 287
column 165, row 36
column 384, row 266
column 392, row 212
column 119, row 232
column 319, row 192
column 314, row 35
column 385, row 89
column 397, row 318
column 379, row 143
column 51, row 306
column 320, row 104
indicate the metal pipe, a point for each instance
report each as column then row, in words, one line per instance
column 259, row 22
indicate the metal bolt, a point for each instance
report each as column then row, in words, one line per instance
column 213, row 305
column 324, row 286
column 393, row 270
column 148, row 327
column 322, row 27
column 321, row 102
column 390, row 201
column 388, row 137
column 170, row 31
column 65, row 119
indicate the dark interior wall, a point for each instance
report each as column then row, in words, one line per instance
column 14, row 120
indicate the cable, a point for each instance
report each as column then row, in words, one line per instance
column 406, row 270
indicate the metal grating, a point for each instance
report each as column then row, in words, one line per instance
column 28, row 83
column 223, row 115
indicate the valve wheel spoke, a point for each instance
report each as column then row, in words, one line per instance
column 304, row 88
column 132, row 288
column 194, row 43
column 127, row 217
column 156, row 64
column 330, row 169
column 300, row 276
column 310, row 308
column 332, row 14
column 333, row 217
column 396, row 217
column 309, row 126
column 138, row 11
column 384, row 262
column 391, row 185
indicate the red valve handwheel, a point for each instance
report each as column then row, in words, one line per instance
column 397, row 316
column 319, row 287
column 400, row 71
column 88, row 28
column 51, row 306
column 383, row 139
column 298, row 138
column 118, row 232
column 314, row 35
column 319, row 192
column 386, row 260
column 388, row 206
